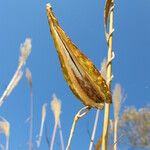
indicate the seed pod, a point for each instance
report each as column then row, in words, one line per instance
column 83, row 78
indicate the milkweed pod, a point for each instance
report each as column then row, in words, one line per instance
column 82, row 76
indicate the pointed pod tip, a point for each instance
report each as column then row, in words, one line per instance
column 48, row 5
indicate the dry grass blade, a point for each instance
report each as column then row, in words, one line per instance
column 107, row 10
column 42, row 125
column 25, row 51
column 83, row 77
column 5, row 128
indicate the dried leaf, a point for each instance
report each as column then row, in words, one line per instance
column 108, row 6
column 82, row 76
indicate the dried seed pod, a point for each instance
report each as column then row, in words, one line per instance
column 83, row 78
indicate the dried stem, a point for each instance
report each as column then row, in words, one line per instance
column 31, row 123
column 7, row 143
column 82, row 112
column 53, row 136
column 94, row 129
column 115, row 133
column 61, row 135
column 42, row 125
column 109, row 77
column 29, row 78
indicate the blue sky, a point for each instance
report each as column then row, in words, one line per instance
column 83, row 22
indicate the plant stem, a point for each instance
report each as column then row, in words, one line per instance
column 31, row 122
column 94, row 129
column 109, row 76
column 115, row 133
column 7, row 143
column 82, row 112
column 40, row 134
column 53, row 136
column 61, row 135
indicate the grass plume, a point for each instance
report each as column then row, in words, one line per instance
column 42, row 125
column 5, row 128
column 25, row 51
column 56, row 109
column 135, row 125
column 117, row 99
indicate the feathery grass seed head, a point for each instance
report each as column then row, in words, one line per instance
column 44, row 111
column 29, row 76
column 135, row 124
column 117, row 99
column 56, row 107
column 25, row 50
column 4, row 127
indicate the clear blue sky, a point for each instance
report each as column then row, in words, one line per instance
column 83, row 22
